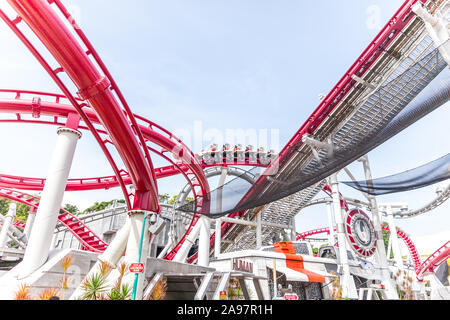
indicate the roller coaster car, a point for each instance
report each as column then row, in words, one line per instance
column 331, row 252
column 327, row 252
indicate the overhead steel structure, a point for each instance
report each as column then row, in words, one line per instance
column 348, row 113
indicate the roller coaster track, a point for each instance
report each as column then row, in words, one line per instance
column 95, row 90
column 152, row 133
column 158, row 140
column 439, row 200
column 89, row 240
column 351, row 111
column 435, row 260
column 429, row 265
column 338, row 115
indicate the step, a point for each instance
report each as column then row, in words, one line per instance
column 73, row 224
column 83, row 234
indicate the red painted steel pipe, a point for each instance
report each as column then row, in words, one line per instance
column 94, row 88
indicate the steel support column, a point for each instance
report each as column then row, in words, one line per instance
column 137, row 248
column 7, row 223
column 394, row 238
column 346, row 279
column 30, row 222
column 40, row 239
column 381, row 257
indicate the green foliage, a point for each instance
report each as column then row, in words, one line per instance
column 173, row 200
column 386, row 235
column 99, row 206
column 94, row 287
column 122, row 293
column 164, row 198
column 71, row 208
column 21, row 211
column 4, row 205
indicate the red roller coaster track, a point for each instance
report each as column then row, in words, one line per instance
column 89, row 240
column 100, row 102
column 421, row 268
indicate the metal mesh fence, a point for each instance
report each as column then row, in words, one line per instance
column 428, row 174
column 418, row 86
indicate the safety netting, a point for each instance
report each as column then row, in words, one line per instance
column 425, row 175
column 416, row 87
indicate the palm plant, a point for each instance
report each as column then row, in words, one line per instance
column 122, row 293
column 105, row 268
column 94, row 287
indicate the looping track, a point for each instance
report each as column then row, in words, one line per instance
column 103, row 110
column 421, row 268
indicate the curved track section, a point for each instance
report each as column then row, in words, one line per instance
column 184, row 218
column 415, row 257
column 152, row 133
column 95, row 89
column 226, row 227
column 443, row 196
column 408, row 242
column 88, row 239
column 158, row 140
column 434, row 261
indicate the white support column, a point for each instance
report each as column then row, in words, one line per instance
column 343, row 258
column 30, row 222
column 204, row 241
column 436, row 26
column 293, row 233
column 331, row 235
column 205, row 225
column 7, row 223
column 394, row 238
column 218, row 238
column 139, row 235
column 182, row 253
column 111, row 256
column 47, row 215
column 380, row 254
column 259, row 230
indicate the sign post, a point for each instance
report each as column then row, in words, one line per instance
column 223, row 295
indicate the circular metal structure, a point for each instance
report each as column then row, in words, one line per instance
column 181, row 219
column 360, row 233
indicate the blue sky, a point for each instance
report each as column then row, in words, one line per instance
column 248, row 64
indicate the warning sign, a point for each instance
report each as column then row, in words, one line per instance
column 136, row 267
column 291, row 296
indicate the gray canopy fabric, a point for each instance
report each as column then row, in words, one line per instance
column 429, row 88
column 428, row 174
